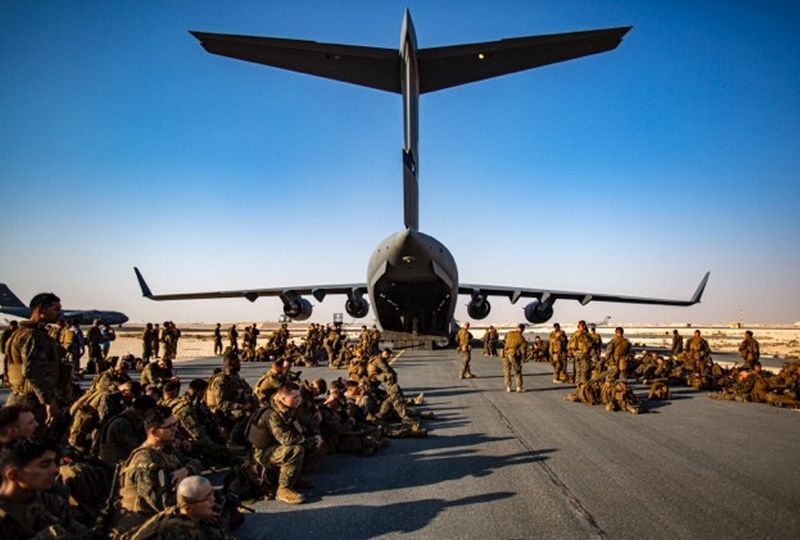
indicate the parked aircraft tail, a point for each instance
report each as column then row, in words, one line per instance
column 8, row 298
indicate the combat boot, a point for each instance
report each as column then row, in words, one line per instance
column 289, row 496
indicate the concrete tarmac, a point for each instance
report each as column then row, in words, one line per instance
column 533, row 465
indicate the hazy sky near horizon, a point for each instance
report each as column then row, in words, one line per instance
column 122, row 143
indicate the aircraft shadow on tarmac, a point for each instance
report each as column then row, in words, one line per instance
column 361, row 521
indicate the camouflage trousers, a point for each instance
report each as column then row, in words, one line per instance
column 582, row 368
column 512, row 361
column 559, row 367
column 289, row 458
column 466, row 356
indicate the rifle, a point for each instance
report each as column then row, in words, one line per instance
column 104, row 522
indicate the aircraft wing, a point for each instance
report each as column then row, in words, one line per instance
column 317, row 291
column 546, row 295
column 439, row 67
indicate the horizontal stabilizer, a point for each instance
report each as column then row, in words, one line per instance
column 444, row 67
column 439, row 67
column 366, row 66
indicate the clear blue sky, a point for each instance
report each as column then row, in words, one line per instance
column 122, row 143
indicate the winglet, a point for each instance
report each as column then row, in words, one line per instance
column 142, row 284
column 700, row 288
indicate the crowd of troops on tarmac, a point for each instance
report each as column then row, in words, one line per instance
column 604, row 375
column 136, row 459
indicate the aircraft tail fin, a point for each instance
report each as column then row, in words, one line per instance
column 8, row 298
column 146, row 292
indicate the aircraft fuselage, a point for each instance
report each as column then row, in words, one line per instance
column 412, row 281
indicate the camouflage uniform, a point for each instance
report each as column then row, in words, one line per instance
column 154, row 374
column 677, row 344
column 580, row 347
column 617, row 353
column 378, row 368
column 35, row 372
column 697, row 348
column 119, row 437
column 199, row 424
column 750, row 351
column 558, row 348
column 170, row 524
column 463, row 339
column 46, row 516
column 268, row 384
column 284, row 444
column 146, row 485
column 490, row 341
column 147, row 344
column 513, row 352
column 218, row 340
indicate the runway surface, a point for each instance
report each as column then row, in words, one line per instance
column 532, row 465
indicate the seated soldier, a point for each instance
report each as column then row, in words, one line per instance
column 271, row 381
column 28, row 509
column 230, row 397
column 16, row 422
column 158, row 373
column 123, row 432
column 200, row 425
column 378, row 366
column 149, row 476
column 194, row 516
column 280, row 441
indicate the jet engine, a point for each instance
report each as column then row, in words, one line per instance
column 356, row 306
column 537, row 312
column 479, row 307
column 298, row 309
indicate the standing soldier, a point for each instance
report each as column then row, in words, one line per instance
column 580, row 347
column 156, row 340
column 72, row 341
column 95, row 338
column 597, row 346
column 167, row 338
column 147, row 343
column 490, row 341
column 558, row 348
column 697, row 347
column 513, row 353
column 749, row 350
column 617, row 353
column 4, row 339
column 218, row 339
column 233, row 336
column 375, row 340
column 677, row 343
column 35, row 371
column 463, row 339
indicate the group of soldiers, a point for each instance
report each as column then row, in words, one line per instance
column 131, row 459
column 601, row 374
column 160, row 341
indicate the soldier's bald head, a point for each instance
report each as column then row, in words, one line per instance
column 193, row 488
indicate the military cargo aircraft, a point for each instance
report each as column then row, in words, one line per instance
column 11, row 305
column 412, row 278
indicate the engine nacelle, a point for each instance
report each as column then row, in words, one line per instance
column 537, row 312
column 298, row 309
column 479, row 307
column 356, row 306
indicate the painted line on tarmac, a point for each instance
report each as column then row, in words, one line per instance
column 572, row 500
column 396, row 358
